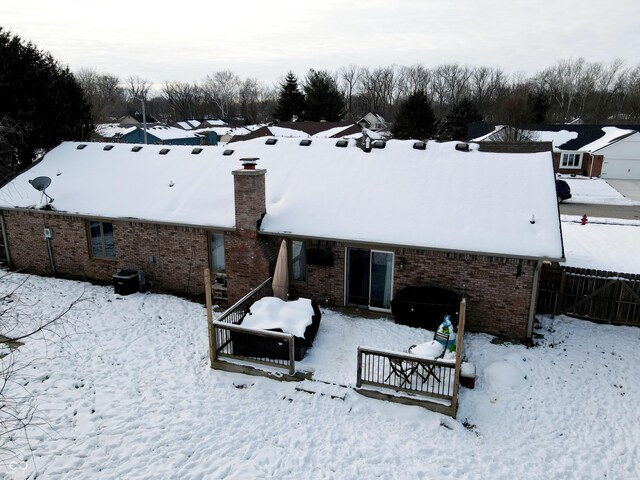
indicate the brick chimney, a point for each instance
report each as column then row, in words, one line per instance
column 249, row 195
column 246, row 265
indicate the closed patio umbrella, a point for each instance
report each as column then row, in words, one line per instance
column 280, row 282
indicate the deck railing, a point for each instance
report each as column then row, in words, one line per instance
column 228, row 339
column 405, row 372
column 428, row 382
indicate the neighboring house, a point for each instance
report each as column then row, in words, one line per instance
column 136, row 118
column 373, row 121
column 194, row 124
column 188, row 124
column 360, row 225
column 621, row 157
column 162, row 135
column 577, row 148
column 304, row 130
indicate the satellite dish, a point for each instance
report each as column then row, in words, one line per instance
column 41, row 184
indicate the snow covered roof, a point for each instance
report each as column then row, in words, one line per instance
column 611, row 135
column 436, row 198
column 188, row 124
column 564, row 137
column 111, row 130
column 164, row 132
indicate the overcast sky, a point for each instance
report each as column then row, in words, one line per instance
column 173, row 40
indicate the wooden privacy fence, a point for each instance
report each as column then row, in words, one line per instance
column 590, row 294
column 427, row 382
column 228, row 340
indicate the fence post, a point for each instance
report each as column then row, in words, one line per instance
column 563, row 283
column 359, row 373
column 292, row 356
column 209, row 307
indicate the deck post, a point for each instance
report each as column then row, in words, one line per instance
column 459, row 342
column 209, row 307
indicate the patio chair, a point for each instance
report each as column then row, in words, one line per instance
column 442, row 338
column 402, row 369
column 429, row 370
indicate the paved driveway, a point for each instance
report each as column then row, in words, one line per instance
column 628, row 188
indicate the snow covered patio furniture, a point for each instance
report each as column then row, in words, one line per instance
column 260, row 330
column 428, row 375
column 301, row 318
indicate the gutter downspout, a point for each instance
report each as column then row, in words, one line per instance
column 50, row 250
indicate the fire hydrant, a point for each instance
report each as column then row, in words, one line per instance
column 583, row 220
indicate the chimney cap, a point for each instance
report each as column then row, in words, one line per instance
column 249, row 163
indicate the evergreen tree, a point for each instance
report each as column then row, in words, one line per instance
column 42, row 99
column 324, row 101
column 415, row 118
column 454, row 125
column 290, row 100
column 539, row 104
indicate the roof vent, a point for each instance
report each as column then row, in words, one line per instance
column 420, row 145
column 108, row 147
column 342, row 143
column 462, row 147
column 305, row 142
column 271, row 141
column 164, row 151
column 378, row 144
column 137, row 148
column 196, row 151
column 81, row 146
column 227, row 152
column 249, row 163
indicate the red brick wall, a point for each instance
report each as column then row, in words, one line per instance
column 498, row 299
column 172, row 258
column 585, row 170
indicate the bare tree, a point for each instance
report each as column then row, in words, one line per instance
column 485, row 85
column 136, row 87
column 411, row 80
column 378, row 89
column 18, row 410
column 103, row 92
column 184, row 98
column 222, row 88
column 349, row 78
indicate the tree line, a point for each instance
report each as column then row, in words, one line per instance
column 596, row 92
column 42, row 102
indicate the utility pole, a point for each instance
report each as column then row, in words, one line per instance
column 144, row 119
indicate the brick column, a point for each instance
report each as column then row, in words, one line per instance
column 246, row 266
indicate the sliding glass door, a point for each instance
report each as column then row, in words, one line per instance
column 369, row 278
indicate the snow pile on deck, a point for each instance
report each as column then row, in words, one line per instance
column 270, row 313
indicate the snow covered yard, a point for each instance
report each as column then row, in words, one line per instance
column 127, row 392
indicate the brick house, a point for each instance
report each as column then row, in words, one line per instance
column 578, row 149
column 361, row 225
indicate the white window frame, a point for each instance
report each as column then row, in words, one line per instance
column 571, row 160
column 299, row 261
column 216, row 239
